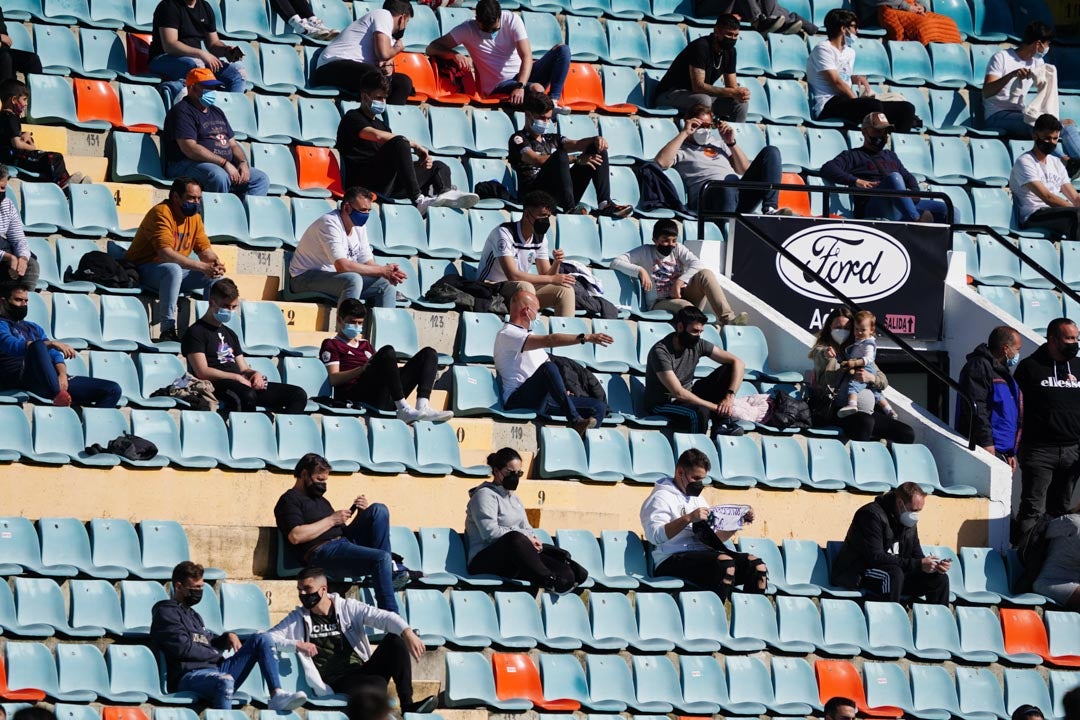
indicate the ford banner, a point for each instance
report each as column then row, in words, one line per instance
column 895, row 270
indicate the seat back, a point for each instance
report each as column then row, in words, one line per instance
column 94, row 603
column 979, row 691
column 609, row 678
column 748, row 680
column 794, row 682
column 113, row 540
column 64, row 542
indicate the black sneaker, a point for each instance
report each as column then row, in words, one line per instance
column 729, row 428
column 424, row 706
column 400, row 579
column 1072, row 167
column 169, row 335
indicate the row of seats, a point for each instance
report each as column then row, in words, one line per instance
column 65, row 711
column 989, row 263
column 1035, row 308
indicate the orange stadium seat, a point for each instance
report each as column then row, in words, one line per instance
column 798, row 202
column 96, row 100
column 584, row 92
column 1025, row 633
column 516, row 677
column 123, row 713
column 417, row 67
column 317, row 167
column 839, row 678
column 138, row 53
column 17, row 694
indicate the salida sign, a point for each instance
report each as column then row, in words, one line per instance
column 896, row 271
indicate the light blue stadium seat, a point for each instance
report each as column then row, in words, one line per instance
column 843, row 623
column 936, row 628
column 626, row 43
column 1061, row 682
column 443, row 554
column 980, row 694
column 933, row 692
column 1039, row 308
column 788, row 54
column 914, row 153
column 39, row 601
column 752, row 616
column 740, row 462
column 519, row 615
column 624, row 554
column 409, row 120
column 277, row 162
column 951, row 65
column 429, row 614
column 824, row 144
column 1045, row 254
column 962, row 210
column 9, row 620
column 469, row 683
column 268, row 223
column 984, row 569
column 888, row 628
column 565, row 616
column 748, row 342
column 16, row 442
column 792, row 146
column 277, row 119
column 990, row 161
column 245, row 21
column 656, row 682
column 952, row 163
column 93, row 212
column 1025, row 687
column 785, row 463
column 265, row 333
column 617, row 236
column 705, row 619
column 59, row 53
column 665, row 43
column 132, row 668
column 119, row 368
column 282, row 63
column 476, row 392
column 910, row 62
column 64, row 542
column 658, row 617
column 103, row 50
column 997, row 266
column 788, row 105
column 81, row 667
column 30, row 665
column 610, row 680
column 133, row 157
column 563, row 677
column 805, row 562
column 45, row 210
column 124, row 326
column 585, row 549
column 490, row 127
column 137, row 599
column 251, row 437
column 395, row 327
column 887, row 686
column 158, row 427
column 58, row 430
column 562, row 454
column 244, row 609
column 1061, row 627
column 980, row 630
column 391, row 441
column 543, row 30
column 749, row 688
column 474, row 616
column 798, row 620
column 450, row 131
column 752, row 55
column 478, row 331
column 1004, row 298
column 608, row 451
column 703, row 681
column 624, row 140
column 830, row 464
column 241, row 116
column 916, row 461
column 768, row 552
column 655, row 133
column 684, row 441
column 436, row 445
column 871, row 58
column 50, row 276
column 422, row 29
column 318, row 119
column 872, row 467
column 164, row 544
column 115, row 542
column 94, row 603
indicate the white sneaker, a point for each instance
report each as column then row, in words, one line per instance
column 409, row 415
column 285, row 701
column 298, row 25
column 77, row 178
column 424, row 202
column 847, row 410
column 432, row 415
column 322, row 31
column 457, row 199
column 560, row 110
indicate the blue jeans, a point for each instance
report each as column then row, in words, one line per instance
column 214, row 178
column 902, row 208
column 347, row 285
column 765, row 167
column 173, row 67
column 545, row 393
column 550, row 70
column 39, row 377
column 364, row 550
column 168, row 280
column 1012, row 122
column 216, row 686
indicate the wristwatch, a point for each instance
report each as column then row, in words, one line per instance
column 581, row 338
column 729, row 392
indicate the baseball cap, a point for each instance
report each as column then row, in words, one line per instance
column 874, row 121
column 203, row 77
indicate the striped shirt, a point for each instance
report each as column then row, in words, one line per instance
column 12, row 237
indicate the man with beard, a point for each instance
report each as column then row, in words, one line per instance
column 692, row 78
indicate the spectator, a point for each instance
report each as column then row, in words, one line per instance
column 197, row 141
column 368, row 45
column 31, row 362
column 185, row 38
column 329, row 634
column 692, row 77
column 764, row 16
column 671, row 389
column 1071, row 704
column 1050, row 434
column 705, row 150
column 871, row 424
column 360, row 374
column 860, row 353
column 369, row 703
column 512, row 250
column 13, row 60
column 987, row 379
column 17, row 147
column 323, row 537
column 194, row 654
column 21, row 265
column 334, row 256
column 213, row 353
column 503, row 66
column 1026, row 712
column 840, row 708
column 1058, row 578
column 162, row 251
column 33, row 712
column 370, row 151
column 909, row 20
column 882, row 555
column 500, row 539
column 830, row 74
column 673, row 277
column 531, row 381
column 675, row 519
column 541, row 158
column 873, row 165
column 302, row 20
column 1009, row 76
column 1042, row 194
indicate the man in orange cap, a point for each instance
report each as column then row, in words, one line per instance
column 185, row 37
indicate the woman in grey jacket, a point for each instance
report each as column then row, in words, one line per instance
column 1058, row 579
column 501, row 541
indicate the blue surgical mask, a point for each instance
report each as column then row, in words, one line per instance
column 1012, row 361
column 1040, row 54
column 378, row 107
column 223, row 315
column 359, row 219
column 209, row 98
column 352, row 331
column 190, row 208
column 493, row 34
column 542, row 127
column 849, row 40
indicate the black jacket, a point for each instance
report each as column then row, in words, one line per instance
column 178, row 632
column 579, row 381
column 858, row 164
column 1052, row 415
column 874, row 531
column 997, row 402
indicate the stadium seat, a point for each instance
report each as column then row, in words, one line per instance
column 476, row 392
column 1039, row 308
column 1061, row 628
column 610, row 680
column 251, row 437
column 429, row 614
column 665, row 43
column 64, row 542
column 585, row 36
column 52, row 102
column 132, row 668
column 1061, row 683
column 608, row 451
column 119, row 368
column 933, row 692
column 980, row 630
column 585, row 549
column 39, row 601
column 798, row 620
column 562, row 455
column 888, row 628
column 749, row 688
column 980, row 694
column 164, row 544
column 1025, row 633
column 838, row 677
column 30, row 665
column 1004, row 298
column 830, row 464
column 656, row 682
column 115, row 542
column 584, row 92
column 886, row 684
column 935, row 627
column 872, row 467
column 768, row 552
column 59, row 430
column 704, row 618
column 1045, row 254
column 684, row 441
column 984, row 569
column 137, row 599
column 564, row 678
column 443, row 554
column 749, row 344
column 952, row 164
column 490, row 128
column 516, row 676
column 703, row 681
column 244, row 608
column 843, row 624
column 474, row 617
column 81, row 668
column 916, row 461
column 159, row 428
column 134, row 158
column 436, row 445
column 1025, row 687
column 951, row 65
column 805, row 563
column 784, row 463
column 910, row 62
column 94, row 603
column 16, row 443
column 659, row 618
column 142, row 108
column 624, row 554
column 469, row 683
column 519, row 615
column 752, row 616
column 565, row 616
column 317, row 169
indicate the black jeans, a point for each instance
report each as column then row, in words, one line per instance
column 514, row 556
column 390, row 661
column 285, row 9
column 717, row 570
column 878, row 426
column 890, row 582
column 394, row 173
column 544, row 392
column 12, row 61
column 1062, row 220
column 346, row 75
column 384, row 383
column 695, row 418
column 1047, row 480
column 234, row 396
column 852, row 110
column 567, row 182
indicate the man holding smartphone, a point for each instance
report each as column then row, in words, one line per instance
column 185, row 37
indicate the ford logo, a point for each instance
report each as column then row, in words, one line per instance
column 861, row 262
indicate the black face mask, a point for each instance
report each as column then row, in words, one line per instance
column 688, row 340
column 511, row 480
column 317, row 489
column 310, row 600
column 17, row 312
column 397, row 34
column 1046, row 147
column 1069, row 350
column 694, row 488
column 3, row 194
column 725, row 45
column 193, row 597
column 665, row 250
column 877, row 143
column 541, row 226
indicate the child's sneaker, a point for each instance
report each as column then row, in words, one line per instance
column 850, row 409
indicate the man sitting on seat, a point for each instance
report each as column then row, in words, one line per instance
column 22, row 266
column 171, row 231
column 334, row 256
column 181, row 31
column 30, row 361
column 692, row 77
column 1042, row 194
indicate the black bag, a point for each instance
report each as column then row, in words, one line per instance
column 820, row 398
column 1031, row 550
column 97, row 267
column 491, row 190
column 128, row 446
column 787, row 411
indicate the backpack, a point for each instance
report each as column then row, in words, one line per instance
column 1031, row 550
column 787, row 411
column 101, row 269
column 196, row 394
column 127, row 446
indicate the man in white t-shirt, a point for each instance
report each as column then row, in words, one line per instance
column 334, row 256
column 368, row 45
column 513, row 249
column 529, row 379
column 501, row 55
column 1010, row 74
column 830, row 75
column 1042, row 193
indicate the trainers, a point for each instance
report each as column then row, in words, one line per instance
column 409, row 415
column 432, row 415
column 925, row 217
column 285, row 701
column 729, row 428
column 324, row 32
column 423, row 706
column 582, row 424
column 786, row 212
column 1072, row 167
column 400, row 579
column 792, row 28
column 456, row 199
column 579, row 209
column 62, row 399
column 423, row 203
column 610, row 208
column 78, row 178
column 768, row 24
column 169, row 335
column 847, row 410
column 740, row 319
column 298, row 25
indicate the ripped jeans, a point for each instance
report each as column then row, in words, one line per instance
column 216, row 686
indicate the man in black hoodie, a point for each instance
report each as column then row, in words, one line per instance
column 193, row 654
column 987, row 379
column 1050, row 451
column 882, row 554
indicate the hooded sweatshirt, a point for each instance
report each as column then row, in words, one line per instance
column 1053, row 400
column 861, row 164
column 877, row 539
column 178, row 632
column 493, row 511
column 998, row 407
column 666, row 503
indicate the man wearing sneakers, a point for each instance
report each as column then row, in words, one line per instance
column 360, row 374
column 383, row 159
column 302, row 20
column 368, row 45
column 531, row 381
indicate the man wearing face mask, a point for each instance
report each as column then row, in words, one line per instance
column 194, row 655
column 334, row 256
column 162, row 251
column 875, row 166
column 882, row 555
column 197, row 141
column 1042, row 194
column 987, row 379
column 213, row 353
column 675, row 520
column 329, row 633
column 343, row 545
column 1050, row 443
column 692, row 76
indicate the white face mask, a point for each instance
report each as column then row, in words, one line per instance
column 840, row 335
column 702, row 136
column 909, row 518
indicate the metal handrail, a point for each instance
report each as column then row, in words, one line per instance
column 1058, row 284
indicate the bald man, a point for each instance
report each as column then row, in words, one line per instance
column 529, row 380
